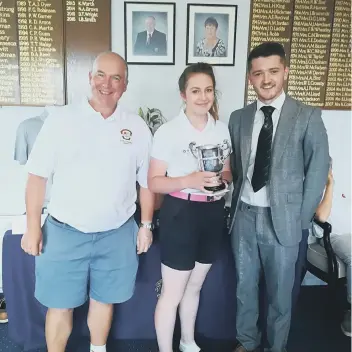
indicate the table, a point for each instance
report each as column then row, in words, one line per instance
column 134, row 319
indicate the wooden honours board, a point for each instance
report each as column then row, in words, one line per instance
column 46, row 45
column 316, row 35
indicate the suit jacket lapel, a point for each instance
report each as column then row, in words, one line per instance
column 287, row 120
column 247, row 120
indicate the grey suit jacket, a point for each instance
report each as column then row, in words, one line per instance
column 299, row 165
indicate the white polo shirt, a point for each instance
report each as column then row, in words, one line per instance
column 172, row 139
column 95, row 163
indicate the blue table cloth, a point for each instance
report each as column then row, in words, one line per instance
column 133, row 320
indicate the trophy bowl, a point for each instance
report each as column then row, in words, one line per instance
column 211, row 158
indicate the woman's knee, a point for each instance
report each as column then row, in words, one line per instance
column 197, row 277
column 171, row 296
column 194, row 286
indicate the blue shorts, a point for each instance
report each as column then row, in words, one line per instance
column 75, row 265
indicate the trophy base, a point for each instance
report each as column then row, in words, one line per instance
column 216, row 188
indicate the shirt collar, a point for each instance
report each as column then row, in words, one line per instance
column 87, row 108
column 277, row 103
column 210, row 122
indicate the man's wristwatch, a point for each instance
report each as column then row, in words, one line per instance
column 147, row 225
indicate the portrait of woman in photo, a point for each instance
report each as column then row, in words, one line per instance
column 211, row 45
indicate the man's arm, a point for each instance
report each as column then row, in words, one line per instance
column 35, row 194
column 146, row 197
column 32, row 239
column 145, row 235
column 40, row 167
column 232, row 123
column 316, row 166
column 147, row 200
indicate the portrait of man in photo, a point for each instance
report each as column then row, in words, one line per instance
column 150, row 41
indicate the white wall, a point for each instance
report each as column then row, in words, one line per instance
column 156, row 86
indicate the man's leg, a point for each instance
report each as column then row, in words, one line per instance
column 99, row 322
column 300, row 268
column 113, row 271
column 58, row 327
column 245, row 249
column 279, row 271
column 61, row 278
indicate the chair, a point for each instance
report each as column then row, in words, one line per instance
column 324, row 264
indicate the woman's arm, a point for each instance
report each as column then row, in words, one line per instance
column 159, row 183
column 226, row 174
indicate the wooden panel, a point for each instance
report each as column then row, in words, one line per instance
column 87, row 34
column 45, row 45
column 316, row 35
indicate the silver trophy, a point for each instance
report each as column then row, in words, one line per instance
column 211, row 157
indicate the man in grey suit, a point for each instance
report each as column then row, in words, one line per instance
column 280, row 163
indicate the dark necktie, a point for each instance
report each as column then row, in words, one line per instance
column 263, row 156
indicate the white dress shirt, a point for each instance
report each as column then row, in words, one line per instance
column 260, row 198
column 95, row 163
column 149, row 36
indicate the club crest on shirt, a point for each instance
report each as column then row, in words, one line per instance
column 126, row 136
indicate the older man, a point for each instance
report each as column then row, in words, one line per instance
column 96, row 152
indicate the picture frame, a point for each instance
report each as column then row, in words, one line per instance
column 150, row 33
column 211, row 34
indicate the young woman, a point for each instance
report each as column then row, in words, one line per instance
column 191, row 219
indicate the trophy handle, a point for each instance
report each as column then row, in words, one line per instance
column 225, row 146
column 193, row 149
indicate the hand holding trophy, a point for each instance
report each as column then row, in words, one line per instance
column 211, row 158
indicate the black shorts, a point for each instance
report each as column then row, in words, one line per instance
column 190, row 232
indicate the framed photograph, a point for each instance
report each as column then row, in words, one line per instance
column 150, row 33
column 211, row 34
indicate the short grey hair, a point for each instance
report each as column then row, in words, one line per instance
column 114, row 54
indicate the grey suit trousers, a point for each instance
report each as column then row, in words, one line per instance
column 256, row 251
